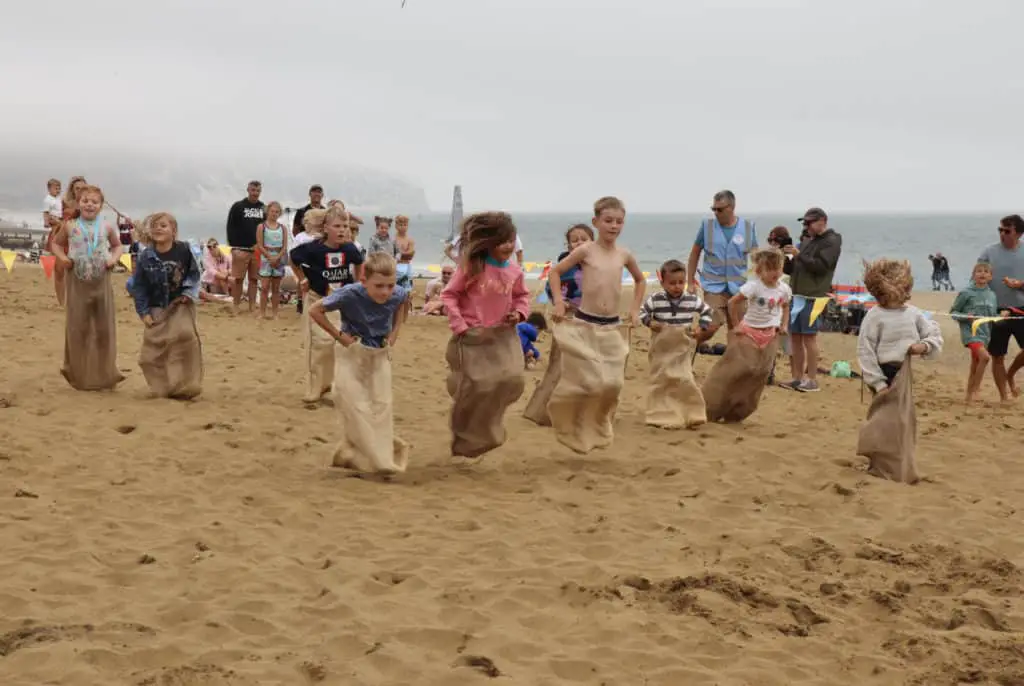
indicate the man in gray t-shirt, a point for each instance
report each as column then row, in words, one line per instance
column 1007, row 260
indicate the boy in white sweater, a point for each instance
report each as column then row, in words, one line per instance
column 893, row 329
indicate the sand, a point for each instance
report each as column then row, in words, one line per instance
column 157, row 542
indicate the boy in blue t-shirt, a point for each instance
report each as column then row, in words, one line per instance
column 371, row 311
column 528, row 332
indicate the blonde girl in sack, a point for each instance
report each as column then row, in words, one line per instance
column 93, row 249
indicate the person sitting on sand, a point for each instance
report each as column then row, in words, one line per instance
column 977, row 300
column 434, row 304
column 216, row 269
column 893, row 329
column 1007, row 260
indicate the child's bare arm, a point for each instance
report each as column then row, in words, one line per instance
column 397, row 319
column 318, row 315
column 555, row 275
column 59, row 236
column 261, row 251
column 639, row 287
column 116, row 249
column 784, row 329
column 735, row 303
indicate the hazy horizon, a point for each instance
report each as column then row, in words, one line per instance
column 544, row 106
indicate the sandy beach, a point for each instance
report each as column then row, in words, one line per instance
column 158, row 543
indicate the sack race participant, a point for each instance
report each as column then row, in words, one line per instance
column 90, row 333
column 890, row 334
column 733, row 389
column 572, row 292
column 592, row 371
column 485, row 300
column 321, row 266
column 674, row 400
column 165, row 287
column 372, row 312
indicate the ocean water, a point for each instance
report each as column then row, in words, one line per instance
column 654, row 238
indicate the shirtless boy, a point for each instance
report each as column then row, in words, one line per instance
column 406, row 252
column 602, row 261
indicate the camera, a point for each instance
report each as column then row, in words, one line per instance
column 782, row 241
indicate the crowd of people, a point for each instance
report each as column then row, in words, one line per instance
column 488, row 305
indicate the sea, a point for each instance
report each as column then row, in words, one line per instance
column 654, row 238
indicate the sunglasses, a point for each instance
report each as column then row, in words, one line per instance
column 1004, row 231
column 716, row 210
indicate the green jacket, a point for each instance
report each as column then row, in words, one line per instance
column 815, row 265
column 970, row 303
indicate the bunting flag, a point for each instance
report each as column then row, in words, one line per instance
column 225, row 250
column 8, row 257
column 819, row 306
column 48, row 262
column 547, row 270
column 126, row 260
column 542, row 298
column 800, row 302
column 434, row 268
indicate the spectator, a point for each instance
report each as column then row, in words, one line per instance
column 1007, row 260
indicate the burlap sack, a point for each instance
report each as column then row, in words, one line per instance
column 171, row 357
column 485, row 378
column 592, row 373
column 90, row 334
column 888, row 437
column 734, row 386
column 320, row 349
column 363, row 397
column 537, row 407
column 673, row 399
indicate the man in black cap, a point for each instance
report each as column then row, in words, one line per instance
column 316, row 196
column 811, row 269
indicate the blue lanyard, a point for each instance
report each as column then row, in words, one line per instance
column 94, row 241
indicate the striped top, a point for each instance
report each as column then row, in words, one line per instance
column 661, row 307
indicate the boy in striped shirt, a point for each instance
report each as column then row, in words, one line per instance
column 673, row 306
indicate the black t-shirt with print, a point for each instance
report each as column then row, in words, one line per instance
column 176, row 263
column 325, row 266
column 243, row 218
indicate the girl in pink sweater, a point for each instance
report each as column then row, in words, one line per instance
column 485, row 300
column 487, row 289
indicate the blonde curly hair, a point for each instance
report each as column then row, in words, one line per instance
column 889, row 281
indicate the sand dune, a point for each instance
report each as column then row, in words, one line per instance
column 153, row 542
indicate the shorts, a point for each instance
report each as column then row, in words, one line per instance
column 999, row 343
column 719, row 304
column 975, row 347
column 244, row 261
column 801, row 324
column 268, row 272
column 762, row 337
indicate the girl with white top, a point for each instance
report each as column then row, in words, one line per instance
column 766, row 299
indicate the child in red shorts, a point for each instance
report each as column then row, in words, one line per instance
column 977, row 300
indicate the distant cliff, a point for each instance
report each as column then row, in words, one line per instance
column 139, row 181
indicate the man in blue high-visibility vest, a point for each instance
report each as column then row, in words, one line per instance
column 725, row 241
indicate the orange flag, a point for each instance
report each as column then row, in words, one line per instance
column 48, row 262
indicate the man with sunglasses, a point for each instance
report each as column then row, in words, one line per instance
column 725, row 240
column 1007, row 260
column 811, row 269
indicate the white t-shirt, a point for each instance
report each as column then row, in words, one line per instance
column 455, row 245
column 764, row 304
column 53, row 206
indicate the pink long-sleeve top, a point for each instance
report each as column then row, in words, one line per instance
column 485, row 299
column 211, row 266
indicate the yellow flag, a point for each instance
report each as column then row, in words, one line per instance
column 434, row 268
column 982, row 320
column 819, row 306
column 528, row 266
column 225, row 250
column 8, row 257
column 126, row 260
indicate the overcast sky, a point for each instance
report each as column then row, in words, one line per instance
column 549, row 104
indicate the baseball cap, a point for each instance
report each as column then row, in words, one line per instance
column 813, row 215
column 316, row 187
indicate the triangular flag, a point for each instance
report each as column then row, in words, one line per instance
column 547, row 270
column 543, row 298
column 434, row 268
column 225, row 250
column 799, row 302
column 126, row 260
column 8, row 257
column 528, row 266
column 819, row 306
column 976, row 324
column 48, row 262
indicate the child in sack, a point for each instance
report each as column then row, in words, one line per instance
column 893, row 329
column 165, row 288
column 673, row 306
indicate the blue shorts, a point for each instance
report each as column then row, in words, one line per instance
column 801, row 326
